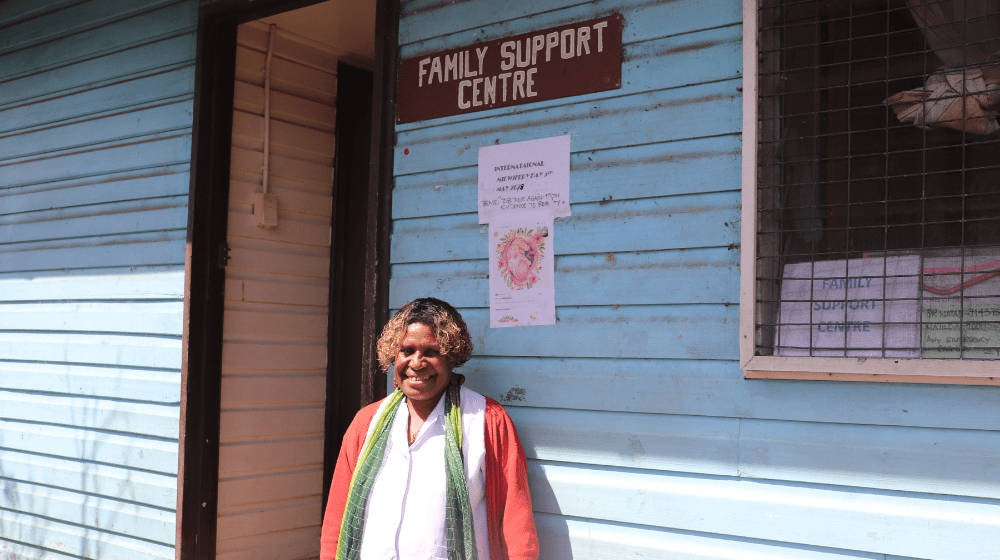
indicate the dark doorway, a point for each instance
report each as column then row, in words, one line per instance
column 347, row 263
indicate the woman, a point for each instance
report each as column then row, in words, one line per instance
column 435, row 470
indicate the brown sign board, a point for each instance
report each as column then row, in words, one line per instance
column 572, row 59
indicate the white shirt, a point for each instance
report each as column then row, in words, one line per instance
column 405, row 519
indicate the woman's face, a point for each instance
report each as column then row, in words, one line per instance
column 421, row 372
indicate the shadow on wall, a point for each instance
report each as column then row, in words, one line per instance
column 553, row 530
column 59, row 510
column 89, row 399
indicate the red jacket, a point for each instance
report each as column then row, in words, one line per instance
column 508, row 503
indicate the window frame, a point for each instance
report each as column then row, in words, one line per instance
column 958, row 372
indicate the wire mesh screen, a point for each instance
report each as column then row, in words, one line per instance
column 879, row 179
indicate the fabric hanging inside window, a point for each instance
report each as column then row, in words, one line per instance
column 964, row 94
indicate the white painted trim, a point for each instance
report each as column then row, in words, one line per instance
column 748, row 221
column 965, row 372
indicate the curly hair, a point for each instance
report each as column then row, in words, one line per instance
column 444, row 321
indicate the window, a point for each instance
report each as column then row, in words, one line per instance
column 871, row 190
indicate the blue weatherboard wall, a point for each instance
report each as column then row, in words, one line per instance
column 644, row 440
column 95, row 143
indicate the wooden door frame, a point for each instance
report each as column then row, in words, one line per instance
column 204, row 289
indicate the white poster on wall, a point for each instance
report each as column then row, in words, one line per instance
column 852, row 308
column 522, row 287
column 530, row 176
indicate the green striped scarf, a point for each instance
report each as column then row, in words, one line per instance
column 459, row 528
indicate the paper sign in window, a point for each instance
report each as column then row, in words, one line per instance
column 850, row 308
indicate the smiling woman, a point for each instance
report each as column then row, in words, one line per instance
column 470, row 500
column 422, row 373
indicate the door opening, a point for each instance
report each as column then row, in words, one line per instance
column 350, row 219
column 295, row 281
column 281, row 366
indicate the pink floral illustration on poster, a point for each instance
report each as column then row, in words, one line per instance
column 520, row 255
column 522, row 259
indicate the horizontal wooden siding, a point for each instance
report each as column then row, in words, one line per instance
column 95, row 143
column 277, row 289
column 643, row 438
